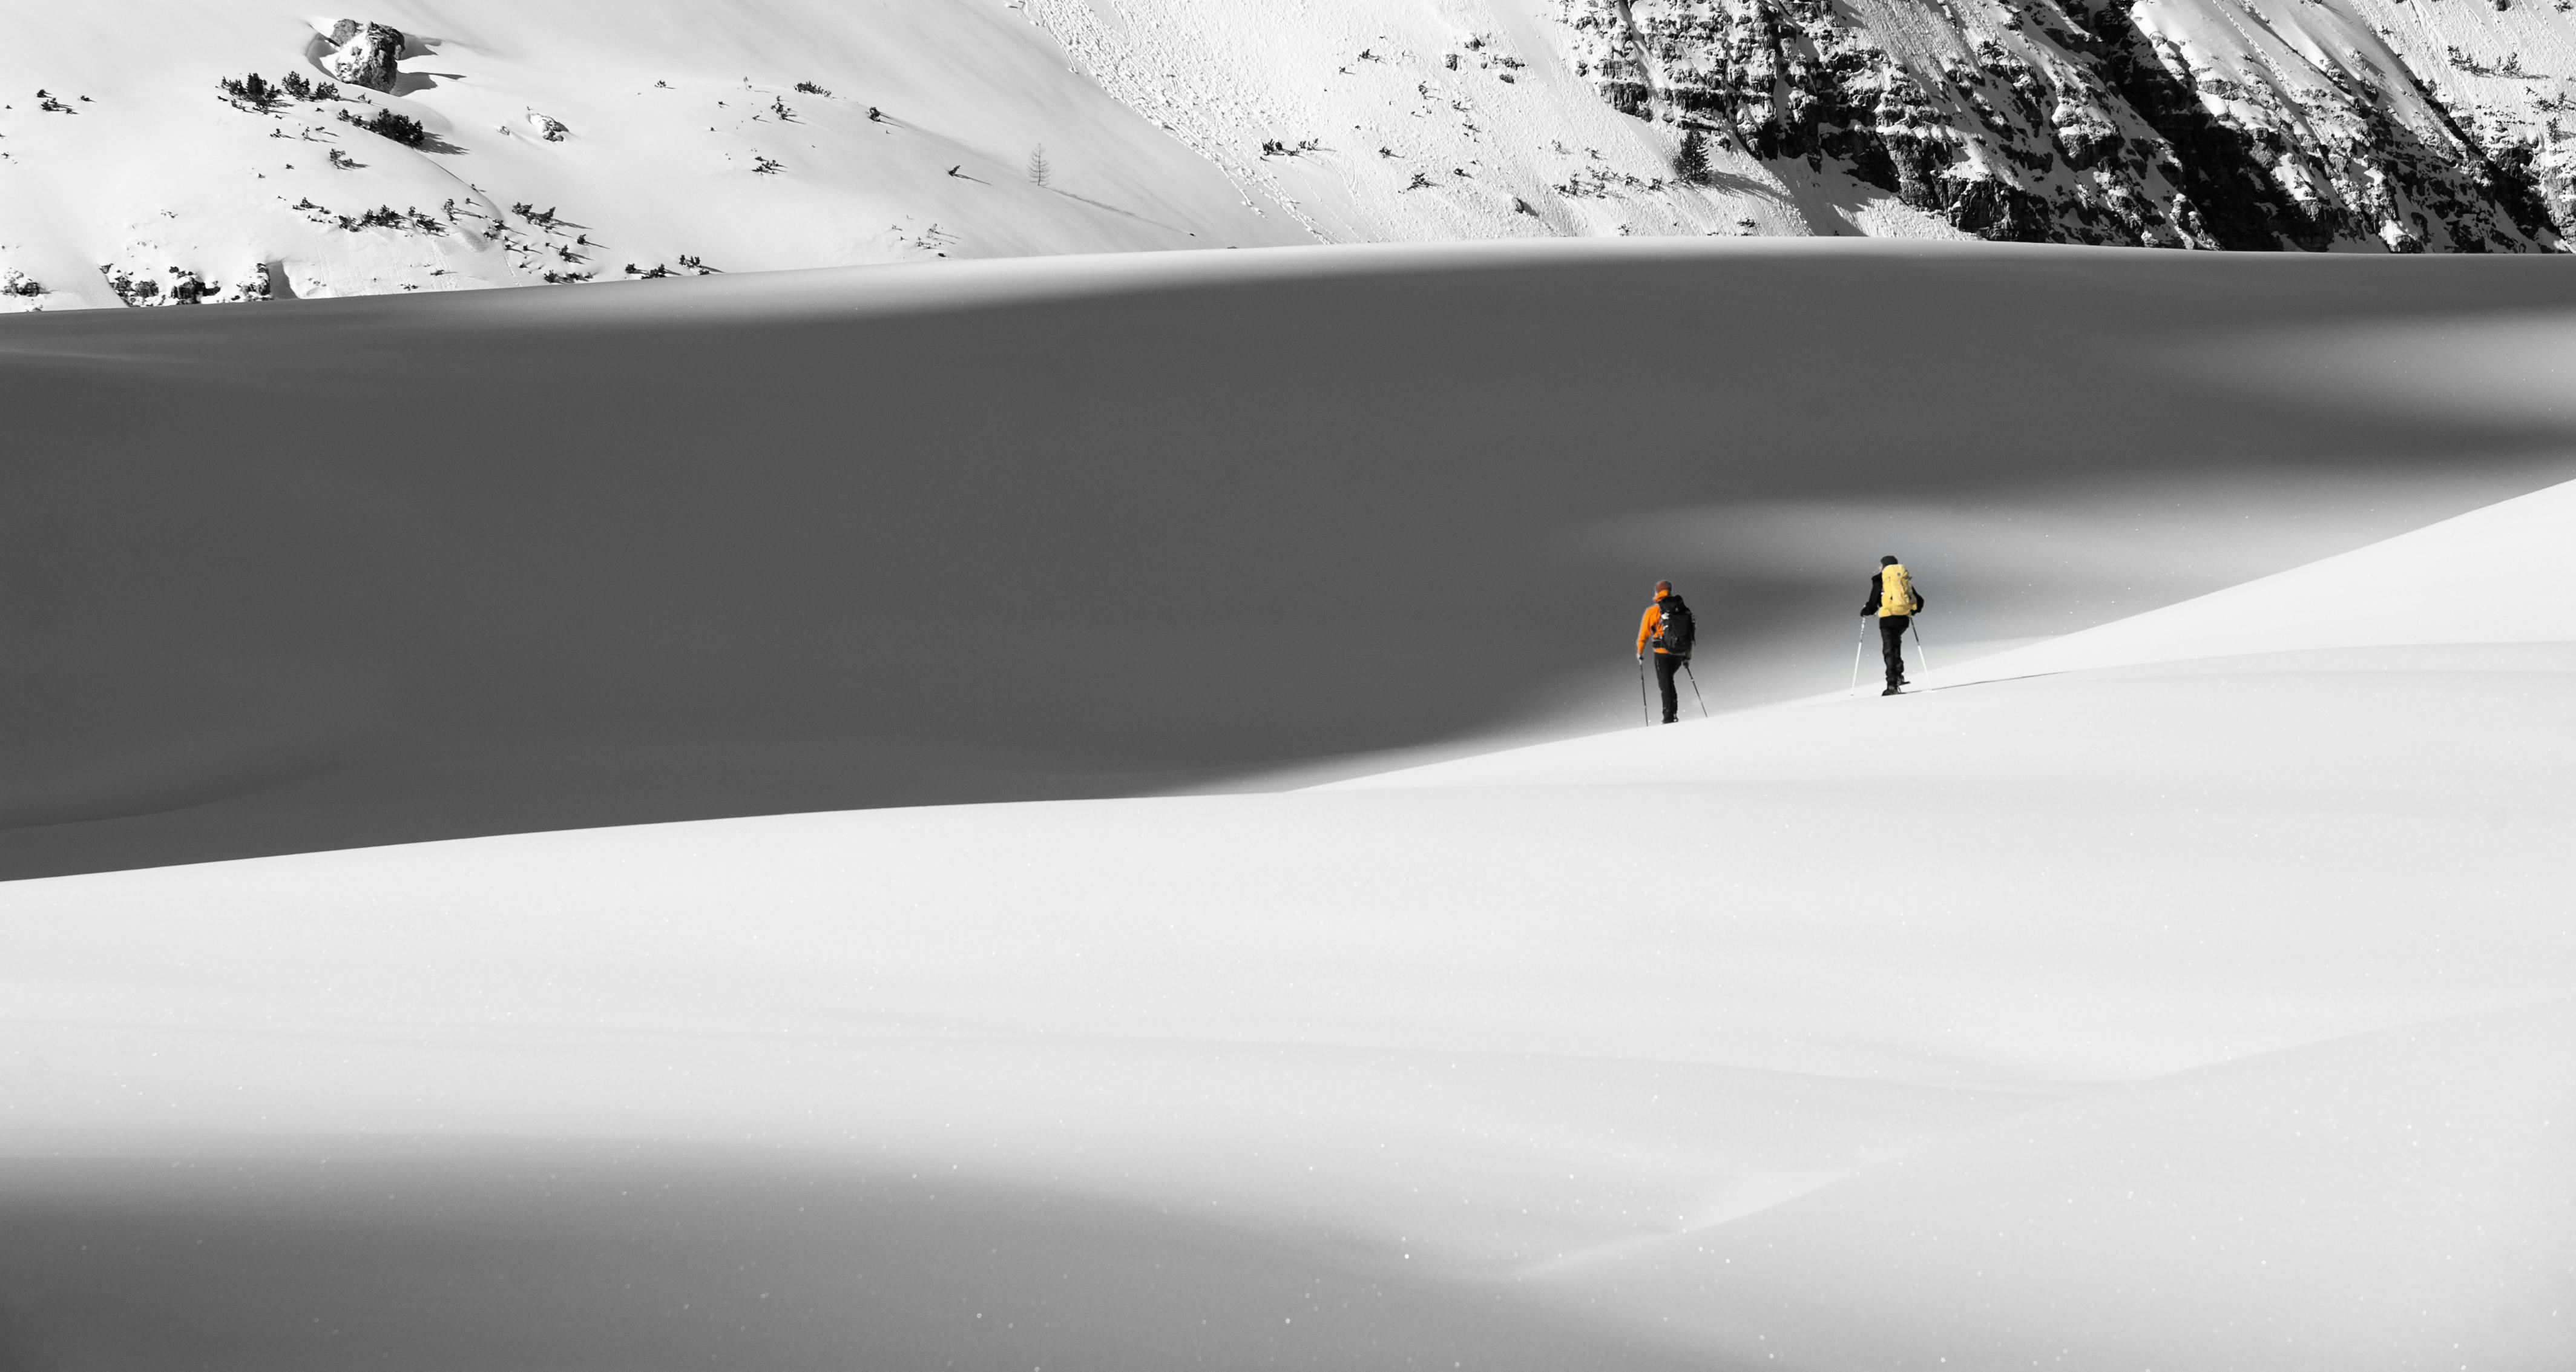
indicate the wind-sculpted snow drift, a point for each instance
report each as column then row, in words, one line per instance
column 244, row 153
column 2193, row 991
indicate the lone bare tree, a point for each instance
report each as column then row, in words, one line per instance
column 1039, row 168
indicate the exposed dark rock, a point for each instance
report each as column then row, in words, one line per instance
column 1991, row 209
column 2075, row 121
column 364, row 54
column 2234, row 202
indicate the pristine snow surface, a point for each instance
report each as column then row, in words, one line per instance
column 2197, row 990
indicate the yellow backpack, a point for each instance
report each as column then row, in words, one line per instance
column 1896, row 592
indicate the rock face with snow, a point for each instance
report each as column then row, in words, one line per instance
column 820, row 134
column 364, row 54
column 2170, row 122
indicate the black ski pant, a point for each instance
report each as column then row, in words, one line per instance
column 1891, row 645
column 1665, row 665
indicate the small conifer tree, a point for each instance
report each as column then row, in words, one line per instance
column 1039, row 168
column 1692, row 165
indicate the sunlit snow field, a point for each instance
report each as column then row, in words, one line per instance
column 2190, row 986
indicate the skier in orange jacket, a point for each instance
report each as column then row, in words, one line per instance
column 1668, row 626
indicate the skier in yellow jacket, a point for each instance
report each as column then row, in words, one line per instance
column 1894, row 600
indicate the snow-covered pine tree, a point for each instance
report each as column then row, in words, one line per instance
column 1039, row 168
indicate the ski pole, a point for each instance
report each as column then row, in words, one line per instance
column 1918, row 647
column 1695, row 695
column 1642, row 707
column 1856, row 646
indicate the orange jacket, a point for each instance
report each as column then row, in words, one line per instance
column 1646, row 627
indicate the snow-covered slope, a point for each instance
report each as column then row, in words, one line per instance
column 2483, row 578
column 658, row 135
column 2205, row 1014
column 679, row 134
column 2198, row 997
column 566, row 142
column 327, row 573
column 1422, row 121
column 2468, row 595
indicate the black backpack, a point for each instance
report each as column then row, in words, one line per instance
column 1676, row 631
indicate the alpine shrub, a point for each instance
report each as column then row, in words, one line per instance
column 809, row 88
column 253, row 92
column 387, row 217
column 401, row 128
column 296, row 84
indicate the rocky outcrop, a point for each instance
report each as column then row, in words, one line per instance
column 364, row 54
column 2144, row 122
column 144, row 288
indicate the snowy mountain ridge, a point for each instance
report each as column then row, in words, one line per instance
column 481, row 144
column 2209, row 123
